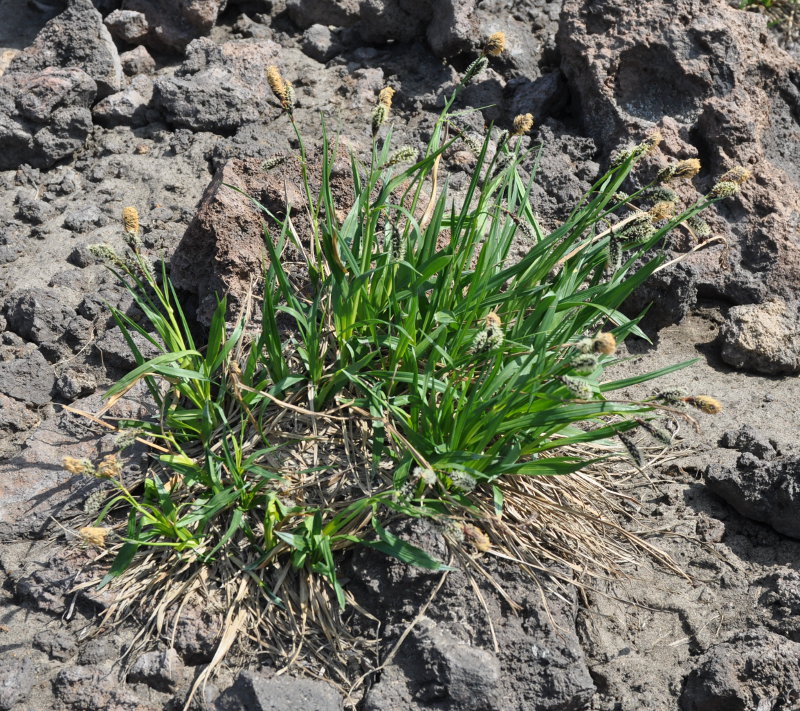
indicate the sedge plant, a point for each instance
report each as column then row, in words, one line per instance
column 416, row 371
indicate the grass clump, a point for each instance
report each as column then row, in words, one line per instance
column 416, row 371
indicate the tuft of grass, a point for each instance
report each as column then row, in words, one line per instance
column 416, row 372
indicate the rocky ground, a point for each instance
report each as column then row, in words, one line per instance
column 142, row 103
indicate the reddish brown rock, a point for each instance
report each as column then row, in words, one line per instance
column 715, row 81
column 223, row 253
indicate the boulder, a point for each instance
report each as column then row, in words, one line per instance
column 340, row 13
column 222, row 251
column 761, row 487
column 218, row 88
column 170, row 26
column 763, row 338
column 17, row 679
column 129, row 107
column 160, row 670
column 756, row 669
column 75, row 38
column 137, row 61
column 449, row 26
column 44, row 116
column 721, row 89
column 128, row 26
column 256, row 692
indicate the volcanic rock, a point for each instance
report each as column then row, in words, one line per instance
column 256, row 692
column 716, row 83
column 764, row 338
column 753, row 669
column 44, row 116
column 171, row 26
column 218, row 88
column 75, row 38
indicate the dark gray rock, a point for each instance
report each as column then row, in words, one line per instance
column 17, row 677
column 128, row 26
column 44, row 117
column 137, row 61
column 749, row 439
column 29, row 378
column 163, row 671
column 449, row 26
column 680, row 281
column 752, row 670
column 254, row 692
column 218, row 88
column 33, row 211
column 172, row 26
column 38, row 315
column 85, row 219
column 782, row 602
column 448, row 662
column 545, row 97
column 129, row 107
column 115, row 352
column 320, row 43
column 79, row 688
column 15, row 420
column 197, row 635
column 340, row 13
column 99, row 650
column 58, row 644
column 453, row 674
column 767, row 491
column 75, row 382
column 75, row 38
column 763, row 338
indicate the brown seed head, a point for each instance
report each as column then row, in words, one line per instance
column 652, row 141
column 522, row 124
column 476, row 538
column 130, row 220
column 495, row 44
column 605, row 343
column 94, row 535
column 737, row 174
column 110, row 467
column 686, row 169
column 662, row 210
column 705, row 403
column 275, row 81
column 78, row 466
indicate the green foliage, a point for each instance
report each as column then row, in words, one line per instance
column 463, row 367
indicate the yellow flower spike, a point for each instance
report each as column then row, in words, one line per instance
column 94, row 535
column 522, row 124
column 495, row 44
column 130, row 220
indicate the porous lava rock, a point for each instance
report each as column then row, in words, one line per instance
column 75, row 38
column 450, row 27
column 166, row 26
column 219, row 87
column 763, row 338
column 761, row 485
column 256, row 692
column 222, row 252
column 756, row 669
column 44, row 116
column 716, row 83
column 450, row 660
